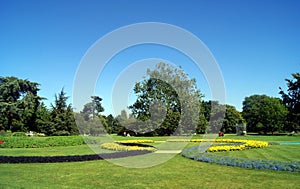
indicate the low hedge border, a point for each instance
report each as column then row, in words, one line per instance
column 76, row 158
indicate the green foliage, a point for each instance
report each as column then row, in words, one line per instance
column 168, row 91
column 291, row 99
column 62, row 117
column 223, row 117
column 24, row 141
column 44, row 120
column 112, row 124
column 18, row 104
column 263, row 113
column 232, row 119
column 92, row 109
column 90, row 121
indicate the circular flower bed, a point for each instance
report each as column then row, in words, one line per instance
column 195, row 153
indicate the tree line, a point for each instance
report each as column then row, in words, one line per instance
column 165, row 91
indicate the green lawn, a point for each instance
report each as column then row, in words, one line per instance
column 179, row 172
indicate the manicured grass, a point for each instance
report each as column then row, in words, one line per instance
column 273, row 152
column 179, row 172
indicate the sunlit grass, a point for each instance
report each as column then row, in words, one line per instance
column 179, row 172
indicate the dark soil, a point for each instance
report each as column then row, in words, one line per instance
column 56, row 159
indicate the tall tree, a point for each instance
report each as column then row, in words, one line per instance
column 62, row 116
column 18, row 104
column 263, row 113
column 90, row 121
column 92, row 109
column 112, row 124
column 44, row 123
column 168, row 91
column 291, row 99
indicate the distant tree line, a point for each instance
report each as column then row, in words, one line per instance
column 22, row 109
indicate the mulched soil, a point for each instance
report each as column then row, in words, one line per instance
column 56, row 159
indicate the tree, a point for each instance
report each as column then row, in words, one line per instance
column 62, row 116
column 216, row 120
column 263, row 113
column 90, row 121
column 18, row 104
column 291, row 99
column 126, row 123
column 232, row 119
column 92, row 109
column 43, row 119
column 112, row 124
column 166, row 91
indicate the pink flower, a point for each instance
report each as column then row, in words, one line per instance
column 1, row 141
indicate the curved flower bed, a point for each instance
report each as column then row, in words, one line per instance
column 76, row 158
column 136, row 141
column 228, row 144
column 242, row 145
column 193, row 153
column 126, row 146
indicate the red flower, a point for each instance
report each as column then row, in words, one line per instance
column 1, row 141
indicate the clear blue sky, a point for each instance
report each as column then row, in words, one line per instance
column 256, row 43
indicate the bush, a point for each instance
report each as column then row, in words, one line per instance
column 61, row 133
column 3, row 133
column 40, row 142
column 19, row 134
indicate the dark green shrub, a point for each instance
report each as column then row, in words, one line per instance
column 3, row 133
column 40, row 142
column 19, row 134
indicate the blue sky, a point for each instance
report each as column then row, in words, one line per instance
column 256, row 43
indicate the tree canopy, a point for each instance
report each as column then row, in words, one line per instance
column 291, row 99
column 168, row 103
column 18, row 104
column 168, row 91
column 264, row 113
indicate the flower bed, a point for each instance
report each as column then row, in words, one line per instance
column 75, row 158
column 193, row 153
column 136, row 141
column 232, row 144
column 120, row 146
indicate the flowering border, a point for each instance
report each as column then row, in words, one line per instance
column 136, row 141
column 228, row 144
column 126, row 146
column 194, row 153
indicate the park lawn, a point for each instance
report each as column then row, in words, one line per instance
column 179, row 172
